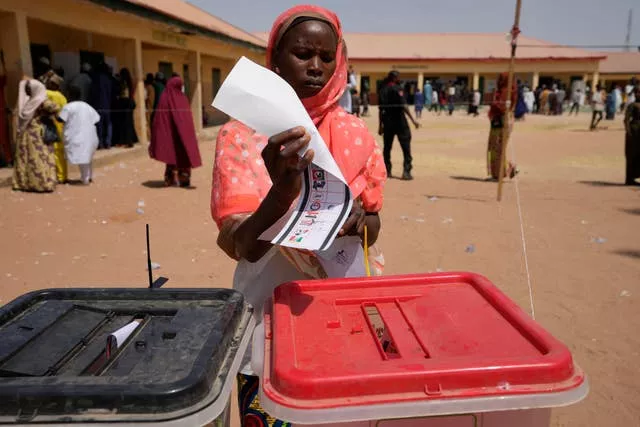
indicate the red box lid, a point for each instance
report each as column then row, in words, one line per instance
column 332, row 343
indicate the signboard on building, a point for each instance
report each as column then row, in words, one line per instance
column 169, row 37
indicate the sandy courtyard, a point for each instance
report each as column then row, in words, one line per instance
column 582, row 231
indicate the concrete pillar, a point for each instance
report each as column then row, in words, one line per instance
column 420, row 80
column 195, row 64
column 595, row 81
column 535, row 80
column 133, row 61
column 476, row 81
column 585, row 78
column 14, row 35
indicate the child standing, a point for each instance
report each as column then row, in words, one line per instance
column 80, row 133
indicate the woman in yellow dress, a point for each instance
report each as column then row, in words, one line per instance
column 34, row 165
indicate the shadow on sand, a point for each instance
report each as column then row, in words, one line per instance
column 629, row 253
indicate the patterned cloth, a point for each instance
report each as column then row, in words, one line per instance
column 251, row 414
column 35, row 164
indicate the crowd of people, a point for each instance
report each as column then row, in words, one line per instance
column 60, row 122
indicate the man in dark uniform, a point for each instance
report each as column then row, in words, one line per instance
column 393, row 113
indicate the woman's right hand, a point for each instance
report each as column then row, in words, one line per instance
column 283, row 163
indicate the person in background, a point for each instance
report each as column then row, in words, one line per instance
column 345, row 99
column 536, row 98
column 82, row 81
column 575, row 101
column 250, row 193
column 428, row 95
column 365, row 97
column 477, row 97
column 418, row 101
column 101, row 101
column 435, row 106
column 619, row 101
column 159, row 84
column 150, row 101
column 6, row 153
column 355, row 102
column 451, row 97
column 560, row 97
column 553, row 100
column 80, row 133
column 34, row 164
column 173, row 137
column 629, row 91
column 443, row 99
column 393, row 113
column 124, row 131
column 529, row 99
column 55, row 95
column 597, row 103
column 521, row 107
column 43, row 70
column 632, row 139
column 544, row 100
column 474, row 103
column 610, row 104
column 497, row 113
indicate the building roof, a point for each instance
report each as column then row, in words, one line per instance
column 190, row 14
column 453, row 46
column 621, row 63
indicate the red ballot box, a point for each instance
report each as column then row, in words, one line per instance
column 445, row 349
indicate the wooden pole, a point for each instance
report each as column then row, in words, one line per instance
column 507, row 116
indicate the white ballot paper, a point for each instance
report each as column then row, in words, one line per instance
column 117, row 338
column 262, row 100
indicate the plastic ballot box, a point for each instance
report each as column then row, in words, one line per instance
column 436, row 350
column 156, row 357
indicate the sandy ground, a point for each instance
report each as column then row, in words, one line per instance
column 581, row 229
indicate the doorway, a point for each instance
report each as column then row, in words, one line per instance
column 92, row 58
column 166, row 68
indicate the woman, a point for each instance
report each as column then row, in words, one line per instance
column 256, row 179
column 149, row 101
column 544, row 100
column 632, row 140
column 173, row 137
column 35, row 163
column 124, row 130
column 529, row 100
column 610, row 105
column 54, row 95
column 521, row 107
column 497, row 114
column 418, row 102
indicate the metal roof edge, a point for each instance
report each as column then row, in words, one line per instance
column 155, row 15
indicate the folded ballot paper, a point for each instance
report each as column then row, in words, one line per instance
column 262, row 100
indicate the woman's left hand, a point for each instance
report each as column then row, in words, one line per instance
column 358, row 219
column 354, row 225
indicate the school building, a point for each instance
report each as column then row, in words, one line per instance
column 475, row 60
column 472, row 60
column 144, row 36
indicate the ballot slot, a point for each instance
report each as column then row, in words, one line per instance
column 76, row 340
column 113, row 341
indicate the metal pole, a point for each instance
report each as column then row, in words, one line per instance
column 507, row 116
